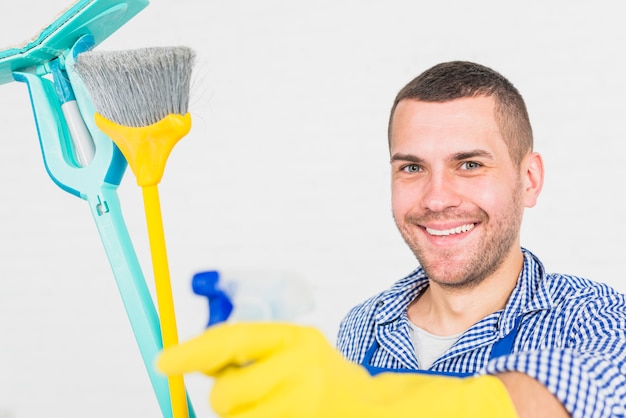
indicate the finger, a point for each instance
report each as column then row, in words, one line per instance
column 226, row 344
column 239, row 388
column 283, row 400
column 280, row 407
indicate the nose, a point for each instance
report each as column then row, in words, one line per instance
column 440, row 192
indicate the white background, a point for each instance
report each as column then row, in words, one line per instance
column 286, row 170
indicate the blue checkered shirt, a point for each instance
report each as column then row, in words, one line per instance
column 571, row 338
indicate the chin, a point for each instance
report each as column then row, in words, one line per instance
column 457, row 283
column 451, row 273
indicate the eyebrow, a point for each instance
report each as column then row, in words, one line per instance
column 459, row 156
column 406, row 157
column 472, row 154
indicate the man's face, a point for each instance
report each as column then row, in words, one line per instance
column 457, row 197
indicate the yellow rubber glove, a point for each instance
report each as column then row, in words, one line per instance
column 274, row 370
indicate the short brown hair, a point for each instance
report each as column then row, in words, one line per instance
column 458, row 79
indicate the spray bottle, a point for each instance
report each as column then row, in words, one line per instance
column 253, row 296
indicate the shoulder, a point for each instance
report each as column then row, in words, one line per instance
column 588, row 304
column 564, row 287
column 363, row 312
column 356, row 330
column 558, row 289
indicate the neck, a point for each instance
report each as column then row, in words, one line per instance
column 444, row 311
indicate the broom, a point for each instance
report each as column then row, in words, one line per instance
column 141, row 97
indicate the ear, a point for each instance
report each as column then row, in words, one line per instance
column 532, row 177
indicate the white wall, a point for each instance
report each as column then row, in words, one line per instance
column 286, row 170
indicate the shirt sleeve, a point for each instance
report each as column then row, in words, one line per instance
column 588, row 375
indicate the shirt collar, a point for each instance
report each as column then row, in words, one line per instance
column 530, row 294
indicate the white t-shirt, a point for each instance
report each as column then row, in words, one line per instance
column 429, row 347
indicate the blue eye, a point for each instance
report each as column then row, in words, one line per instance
column 471, row 165
column 412, row 168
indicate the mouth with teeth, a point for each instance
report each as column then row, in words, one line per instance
column 452, row 231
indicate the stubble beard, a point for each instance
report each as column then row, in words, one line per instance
column 481, row 261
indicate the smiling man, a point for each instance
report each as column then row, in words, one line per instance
column 463, row 171
column 480, row 329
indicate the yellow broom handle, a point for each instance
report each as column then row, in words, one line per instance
column 165, row 299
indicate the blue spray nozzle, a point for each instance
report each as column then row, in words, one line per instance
column 207, row 284
column 253, row 295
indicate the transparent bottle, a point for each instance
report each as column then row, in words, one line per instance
column 253, row 295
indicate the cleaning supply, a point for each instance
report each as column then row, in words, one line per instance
column 83, row 145
column 81, row 159
column 283, row 370
column 46, row 53
column 98, row 18
column 141, row 97
column 207, row 283
column 253, row 295
column 97, row 183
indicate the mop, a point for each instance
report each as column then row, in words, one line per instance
column 80, row 158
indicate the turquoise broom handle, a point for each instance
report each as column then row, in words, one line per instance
column 89, row 184
column 106, row 211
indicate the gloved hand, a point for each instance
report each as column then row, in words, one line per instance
column 274, row 370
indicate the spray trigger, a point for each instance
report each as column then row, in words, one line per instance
column 206, row 284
